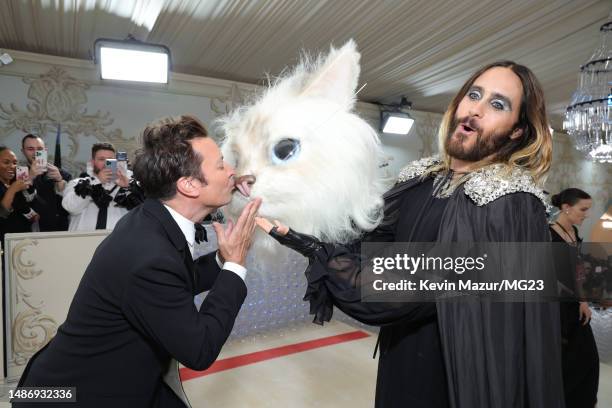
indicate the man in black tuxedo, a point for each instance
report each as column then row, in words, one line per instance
column 133, row 313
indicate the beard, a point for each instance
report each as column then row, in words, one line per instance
column 484, row 146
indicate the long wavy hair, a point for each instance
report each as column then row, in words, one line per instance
column 533, row 150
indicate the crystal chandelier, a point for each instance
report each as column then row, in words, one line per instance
column 588, row 118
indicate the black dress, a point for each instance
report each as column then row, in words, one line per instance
column 15, row 221
column 579, row 351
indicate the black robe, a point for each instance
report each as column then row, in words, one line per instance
column 450, row 354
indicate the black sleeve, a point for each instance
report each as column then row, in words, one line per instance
column 158, row 303
column 335, row 277
column 207, row 271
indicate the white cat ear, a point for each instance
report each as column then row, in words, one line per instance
column 336, row 78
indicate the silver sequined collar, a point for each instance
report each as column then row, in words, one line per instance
column 482, row 186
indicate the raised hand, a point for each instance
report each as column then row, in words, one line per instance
column 306, row 245
column 53, row 173
column 267, row 226
column 235, row 239
column 105, row 175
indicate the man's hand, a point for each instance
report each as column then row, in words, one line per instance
column 105, row 175
column 53, row 173
column 235, row 240
column 267, row 226
column 35, row 170
column 306, row 245
column 122, row 180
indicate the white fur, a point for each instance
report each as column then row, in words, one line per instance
column 333, row 189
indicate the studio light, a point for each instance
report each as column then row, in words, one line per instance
column 394, row 120
column 132, row 60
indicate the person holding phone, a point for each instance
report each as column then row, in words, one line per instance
column 48, row 184
column 99, row 199
column 133, row 316
column 16, row 215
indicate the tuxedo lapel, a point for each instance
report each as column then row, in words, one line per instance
column 176, row 236
column 190, row 265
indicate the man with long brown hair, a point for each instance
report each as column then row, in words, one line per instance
column 484, row 187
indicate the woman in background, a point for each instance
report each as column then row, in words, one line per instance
column 579, row 351
column 15, row 212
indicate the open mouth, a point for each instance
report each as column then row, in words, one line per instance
column 243, row 185
column 466, row 128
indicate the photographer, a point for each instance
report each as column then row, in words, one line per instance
column 15, row 212
column 133, row 316
column 48, row 182
column 100, row 199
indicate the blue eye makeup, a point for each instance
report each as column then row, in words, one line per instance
column 474, row 95
column 500, row 105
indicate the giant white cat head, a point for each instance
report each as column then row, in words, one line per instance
column 315, row 160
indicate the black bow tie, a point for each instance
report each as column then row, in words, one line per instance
column 200, row 233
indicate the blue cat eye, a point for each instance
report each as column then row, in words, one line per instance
column 284, row 150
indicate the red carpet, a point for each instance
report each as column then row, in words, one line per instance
column 252, row 358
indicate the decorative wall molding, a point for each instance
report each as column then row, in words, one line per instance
column 40, row 284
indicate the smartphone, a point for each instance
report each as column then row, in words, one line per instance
column 122, row 162
column 40, row 158
column 22, row 173
column 112, row 164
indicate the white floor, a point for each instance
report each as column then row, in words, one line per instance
column 306, row 379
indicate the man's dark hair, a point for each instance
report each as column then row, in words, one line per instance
column 167, row 155
column 101, row 146
column 26, row 137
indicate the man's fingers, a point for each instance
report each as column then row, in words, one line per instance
column 230, row 227
column 219, row 231
column 252, row 214
column 282, row 228
column 264, row 224
column 253, row 211
column 243, row 216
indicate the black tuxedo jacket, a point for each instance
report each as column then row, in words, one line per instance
column 133, row 311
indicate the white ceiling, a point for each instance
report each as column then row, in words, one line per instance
column 422, row 49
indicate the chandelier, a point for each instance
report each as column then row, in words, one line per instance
column 588, row 118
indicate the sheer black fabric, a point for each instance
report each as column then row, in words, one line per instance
column 494, row 355
column 580, row 359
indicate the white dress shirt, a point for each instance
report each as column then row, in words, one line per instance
column 188, row 228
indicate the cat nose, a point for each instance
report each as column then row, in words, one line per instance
column 248, row 179
column 244, row 184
